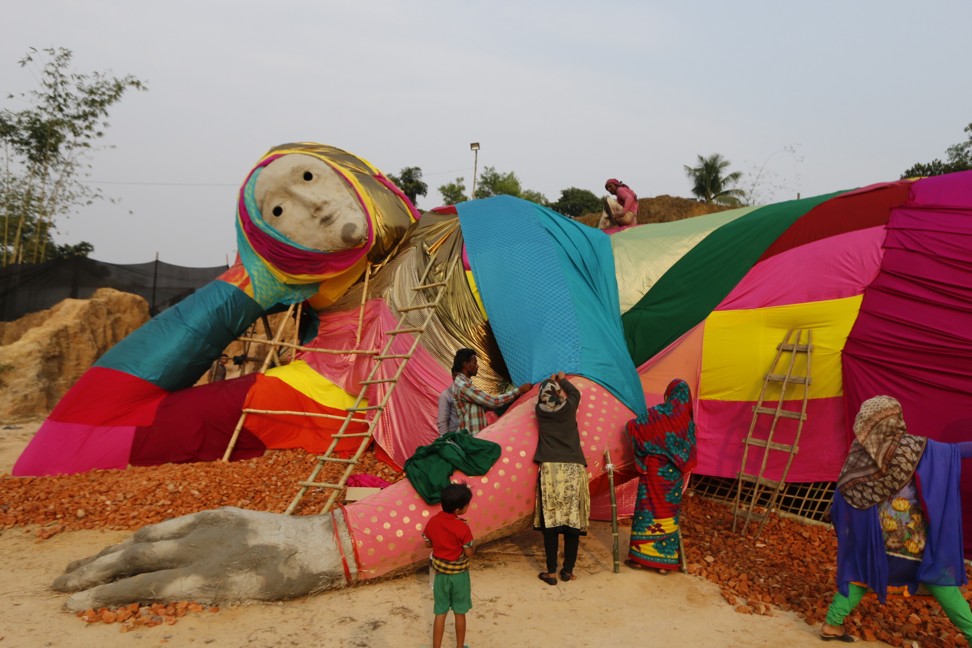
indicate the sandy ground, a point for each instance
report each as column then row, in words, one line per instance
column 511, row 607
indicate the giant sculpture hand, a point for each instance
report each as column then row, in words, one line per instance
column 221, row 556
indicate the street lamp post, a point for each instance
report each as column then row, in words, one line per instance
column 474, row 147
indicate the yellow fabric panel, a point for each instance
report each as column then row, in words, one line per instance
column 475, row 292
column 308, row 382
column 739, row 347
column 332, row 289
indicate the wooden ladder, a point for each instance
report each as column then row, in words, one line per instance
column 337, row 487
column 784, row 372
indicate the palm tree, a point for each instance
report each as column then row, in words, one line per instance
column 710, row 185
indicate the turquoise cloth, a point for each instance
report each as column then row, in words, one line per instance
column 549, row 289
column 177, row 346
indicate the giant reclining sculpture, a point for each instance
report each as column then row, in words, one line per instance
column 694, row 297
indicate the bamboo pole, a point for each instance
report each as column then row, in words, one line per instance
column 266, row 363
column 614, row 512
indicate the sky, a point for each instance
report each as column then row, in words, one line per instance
column 802, row 98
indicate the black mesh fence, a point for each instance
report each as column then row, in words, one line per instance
column 29, row 288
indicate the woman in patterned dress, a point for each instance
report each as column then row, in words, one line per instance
column 664, row 449
column 897, row 512
column 563, row 505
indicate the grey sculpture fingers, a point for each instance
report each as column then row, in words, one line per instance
column 222, row 556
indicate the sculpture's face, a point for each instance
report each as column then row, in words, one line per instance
column 301, row 197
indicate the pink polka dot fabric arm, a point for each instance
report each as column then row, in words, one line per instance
column 386, row 528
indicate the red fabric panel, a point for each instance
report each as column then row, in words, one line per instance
column 854, row 210
column 105, row 396
column 282, row 431
column 196, row 424
column 722, row 427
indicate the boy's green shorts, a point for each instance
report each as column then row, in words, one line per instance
column 452, row 591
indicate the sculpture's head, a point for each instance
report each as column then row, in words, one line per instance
column 305, row 200
column 309, row 220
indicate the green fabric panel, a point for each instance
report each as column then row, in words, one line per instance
column 696, row 283
column 643, row 254
column 431, row 467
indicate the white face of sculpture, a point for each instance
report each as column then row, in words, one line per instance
column 304, row 199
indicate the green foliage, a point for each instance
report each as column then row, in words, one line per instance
column 454, row 192
column 711, row 184
column 493, row 183
column 576, row 202
column 410, row 182
column 46, row 149
column 958, row 157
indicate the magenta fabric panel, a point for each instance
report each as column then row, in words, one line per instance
column 822, row 443
column 913, row 336
column 943, row 191
column 74, row 448
column 410, row 416
column 831, row 268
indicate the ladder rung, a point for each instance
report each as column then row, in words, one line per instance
column 782, row 413
column 435, row 284
column 750, row 514
column 795, row 348
column 337, row 460
column 772, row 445
column 797, row 380
column 411, row 329
column 310, row 484
column 417, row 307
column 365, row 409
column 351, row 434
column 753, row 479
column 380, row 380
column 394, row 355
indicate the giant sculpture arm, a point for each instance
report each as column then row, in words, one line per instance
column 233, row 555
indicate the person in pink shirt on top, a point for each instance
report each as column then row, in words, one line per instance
column 621, row 207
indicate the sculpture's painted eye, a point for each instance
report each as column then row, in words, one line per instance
column 277, row 210
column 308, row 176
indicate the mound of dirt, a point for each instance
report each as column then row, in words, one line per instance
column 43, row 354
column 663, row 209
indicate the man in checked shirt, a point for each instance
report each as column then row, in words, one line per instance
column 471, row 401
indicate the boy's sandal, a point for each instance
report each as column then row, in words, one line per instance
column 549, row 579
column 632, row 564
column 845, row 638
column 567, row 576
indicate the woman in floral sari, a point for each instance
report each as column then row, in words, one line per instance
column 664, row 449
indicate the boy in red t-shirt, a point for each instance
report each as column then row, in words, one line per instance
column 452, row 545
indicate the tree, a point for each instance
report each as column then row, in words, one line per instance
column 47, row 148
column 454, row 192
column 711, row 184
column 576, row 202
column 958, row 158
column 410, row 182
column 493, row 183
